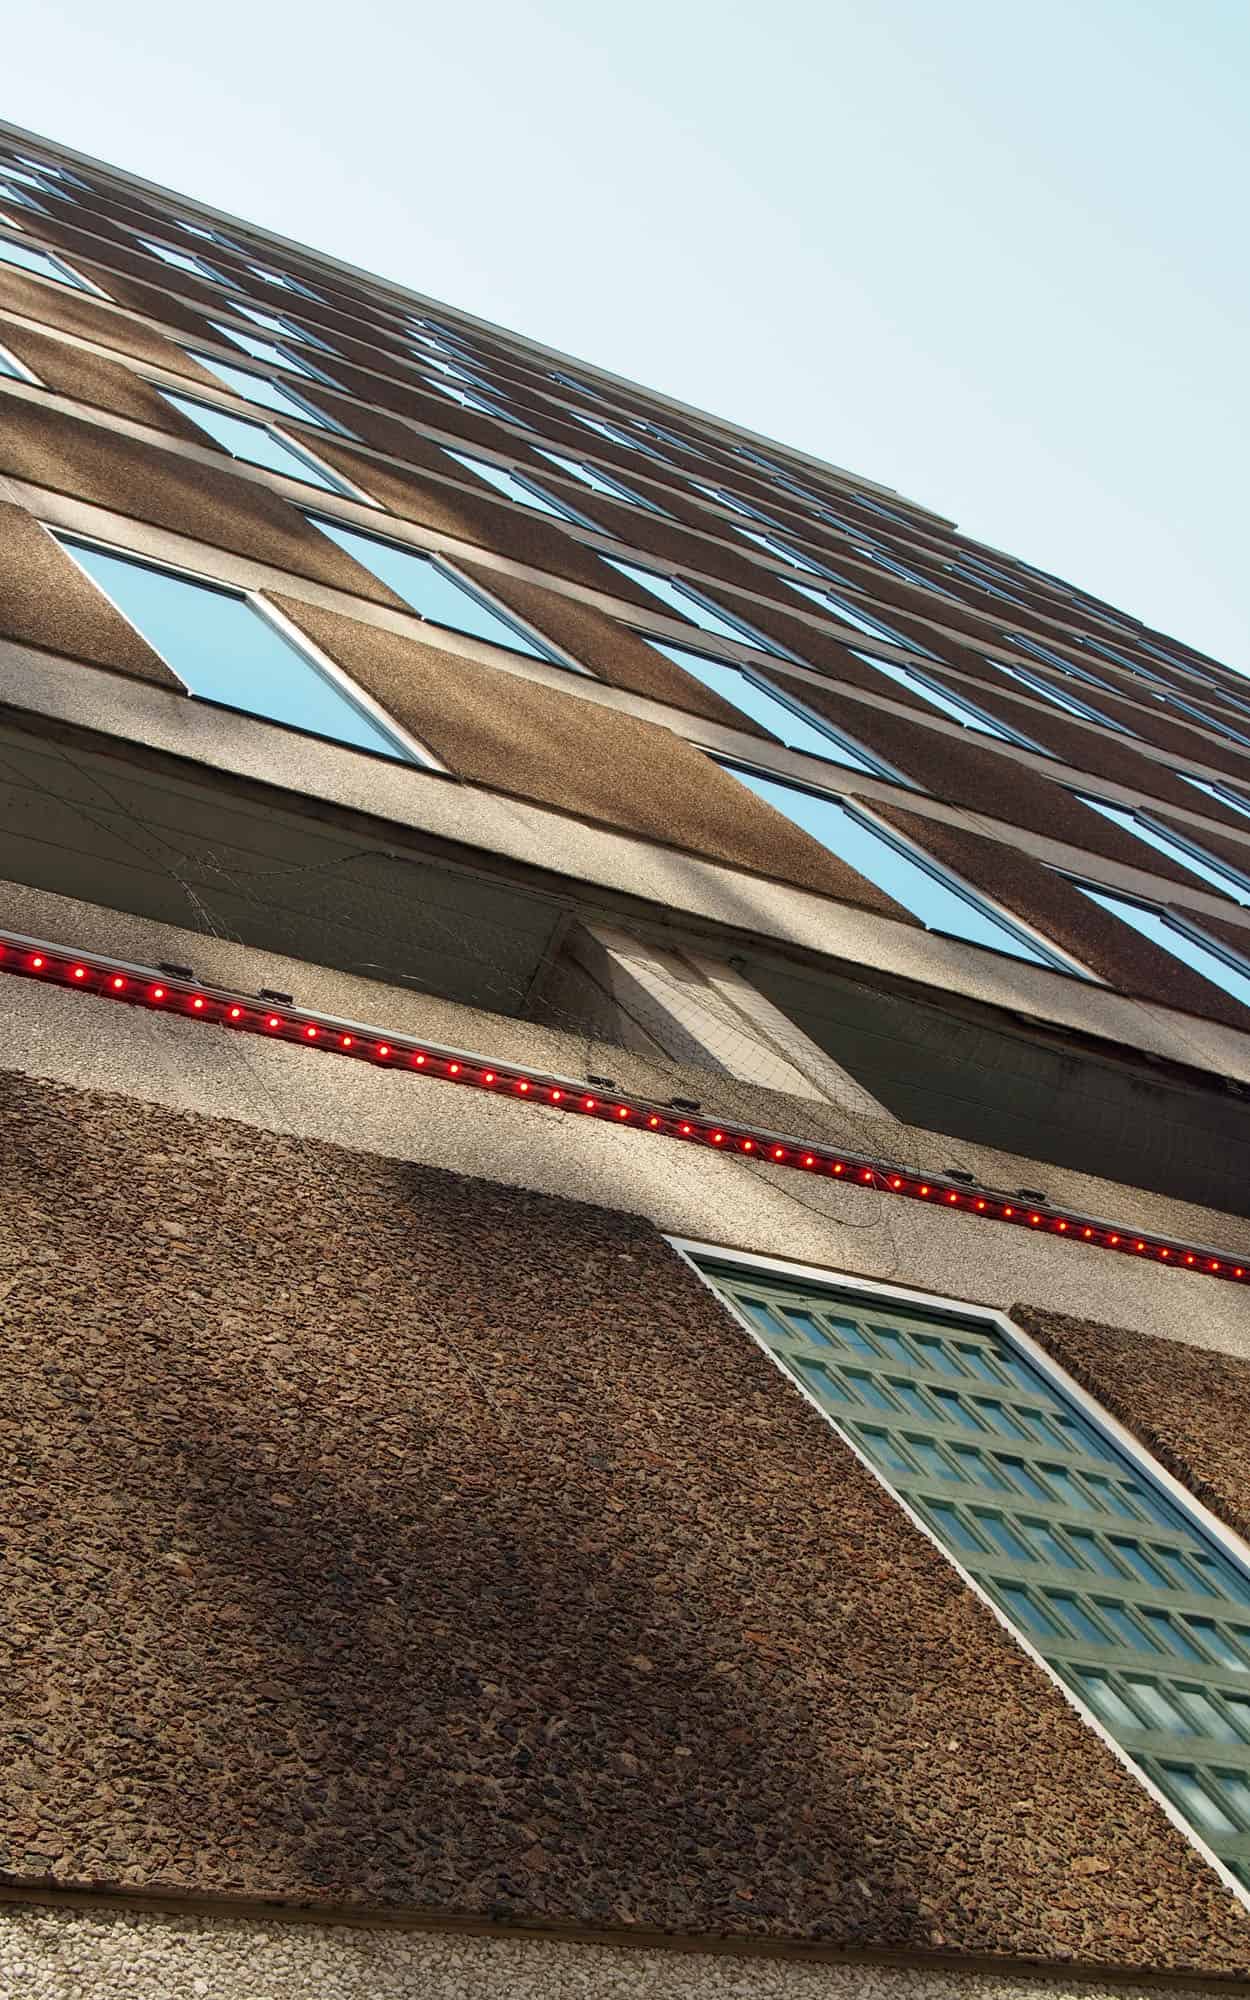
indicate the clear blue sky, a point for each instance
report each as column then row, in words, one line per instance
column 990, row 254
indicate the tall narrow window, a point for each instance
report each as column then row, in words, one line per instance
column 920, row 885
column 1108, row 1575
column 1187, row 852
column 788, row 719
column 958, row 707
column 271, row 395
column 225, row 648
column 258, row 444
column 1172, row 933
column 513, row 485
column 434, row 591
column 685, row 600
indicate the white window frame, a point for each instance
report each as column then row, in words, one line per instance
column 690, row 1250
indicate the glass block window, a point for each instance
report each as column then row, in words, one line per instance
column 257, row 444
column 1121, row 1590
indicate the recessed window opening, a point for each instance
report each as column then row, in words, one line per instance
column 226, row 647
column 931, row 894
column 1111, row 1575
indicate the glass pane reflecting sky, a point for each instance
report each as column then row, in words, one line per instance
column 429, row 589
column 254, row 443
column 938, row 905
column 794, row 727
column 225, row 650
column 1154, row 925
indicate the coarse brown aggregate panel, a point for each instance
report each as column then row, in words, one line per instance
column 91, row 319
column 173, row 312
column 1107, row 947
column 47, row 601
column 1089, row 749
column 103, row 384
column 423, row 406
column 209, row 503
column 608, row 648
column 518, row 736
column 385, row 1537
column 127, row 261
column 967, row 771
column 1189, row 1406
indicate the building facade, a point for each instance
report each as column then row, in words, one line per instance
column 624, row 1182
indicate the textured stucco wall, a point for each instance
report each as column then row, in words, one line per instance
column 74, row 1955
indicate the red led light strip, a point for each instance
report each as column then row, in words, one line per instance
column 138, row 986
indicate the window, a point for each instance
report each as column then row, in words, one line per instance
column 257, row 444
column 1181, row 939
column 797, row 727
column 900, row 870
column 1187, row 853
column 434, row 590
column 977, row 582
column 26, row 257
column 511, row 484
column 267, row 351
column 615, row 432
column 1063, row 1524
column 599, row 482
column 282, row 327
column 259, row 389
column 782, row 549
column 16, row 173
column 10, row 365
column 864, row 621
column 281, row 282
column 1225, row 793
column 960, row 710
column 1071, row 704
column 10, row 193
column 468, row 399
column 226, row 647
column 686, row 602
column 181, row 260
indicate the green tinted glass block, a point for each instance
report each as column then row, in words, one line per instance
column 1116, row 1568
